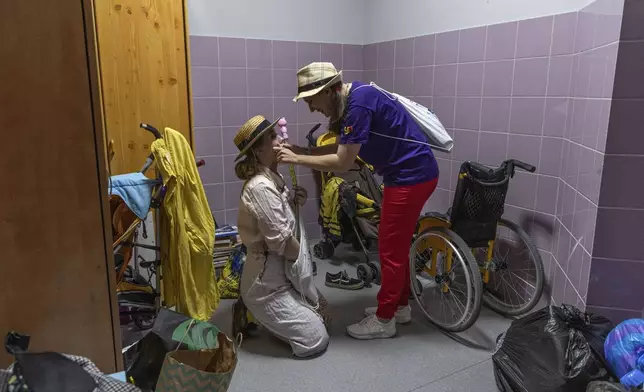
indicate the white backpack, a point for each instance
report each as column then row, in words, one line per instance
column 437, row 136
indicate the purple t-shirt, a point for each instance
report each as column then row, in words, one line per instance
column 399, row 162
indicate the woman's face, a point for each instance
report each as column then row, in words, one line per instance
column 321, row 102
column 264, row 150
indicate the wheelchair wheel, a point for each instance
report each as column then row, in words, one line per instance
column 377, row 272
column 323, row 250
column 516, row 275
column 448, row 287
column 365, row 274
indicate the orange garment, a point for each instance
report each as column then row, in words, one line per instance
column 122, row 219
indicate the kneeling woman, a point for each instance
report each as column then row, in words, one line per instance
column 266, row 225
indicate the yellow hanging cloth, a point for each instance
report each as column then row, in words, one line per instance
column 187, row 231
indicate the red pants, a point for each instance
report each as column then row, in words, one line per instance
column 401, row 208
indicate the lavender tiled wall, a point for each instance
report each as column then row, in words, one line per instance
column 562, row 92
column 615, row 287
column 538, row 90
column 234, row 79
column 589, row 104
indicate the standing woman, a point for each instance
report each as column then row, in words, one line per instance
column 379, row 128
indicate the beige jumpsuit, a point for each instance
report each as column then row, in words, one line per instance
column 266, row 224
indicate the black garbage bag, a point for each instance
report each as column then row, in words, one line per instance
column 606, row 386
column 556, row 349
column 144, row 359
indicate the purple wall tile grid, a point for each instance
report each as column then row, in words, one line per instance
column 234, row 79
column 615, row 286
column 539, row 90
column 560, row 92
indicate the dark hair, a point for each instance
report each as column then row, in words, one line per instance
column 339, row 106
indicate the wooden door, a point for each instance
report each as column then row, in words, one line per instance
column 144, row 74
column 56, row 267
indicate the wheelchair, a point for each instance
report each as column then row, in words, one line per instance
column 471, row 255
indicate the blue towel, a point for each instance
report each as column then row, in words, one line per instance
column 136, row 191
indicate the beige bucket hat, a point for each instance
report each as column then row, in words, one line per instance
column 314, row 78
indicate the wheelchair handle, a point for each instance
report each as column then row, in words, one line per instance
column 521, row 165
column 309, row 136
column 489, row 170
column 507, row 166
column 480, row 167
column 151, row 129
column 157, row 135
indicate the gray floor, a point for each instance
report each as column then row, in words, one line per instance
column 420, row 358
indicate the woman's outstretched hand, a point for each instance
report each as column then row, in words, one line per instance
column 300, row 195
column 286, row 155
column 296, row 149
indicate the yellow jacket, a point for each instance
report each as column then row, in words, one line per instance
column 330, row 208
column 187, row 231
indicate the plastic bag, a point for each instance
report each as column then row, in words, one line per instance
column 208, row 370
column 556, row 349
column 228, row 282
column 171, row 331
column 144, row 359
column 425, row 119
column 177, row 328
column 300, row 272
column 624, row 350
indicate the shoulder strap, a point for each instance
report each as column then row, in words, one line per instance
column 391, row 97
column 382, row 90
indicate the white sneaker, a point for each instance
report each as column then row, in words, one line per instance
column 403, row 314
column 372, row 328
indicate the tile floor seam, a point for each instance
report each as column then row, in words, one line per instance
column 449, row 375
